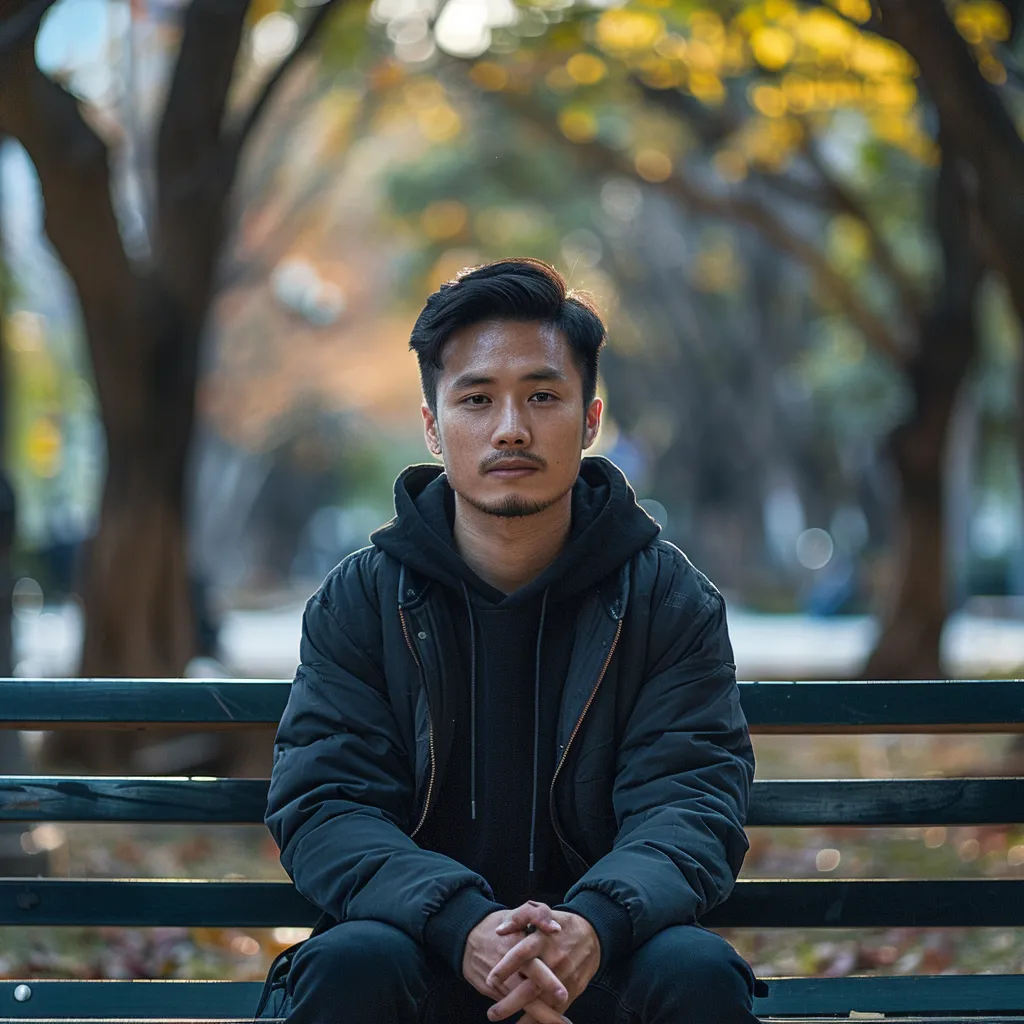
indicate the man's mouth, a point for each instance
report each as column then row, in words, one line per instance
column 511, row 469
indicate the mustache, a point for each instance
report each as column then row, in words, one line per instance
column 506, row 456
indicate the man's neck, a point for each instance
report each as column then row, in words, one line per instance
column 510, row 551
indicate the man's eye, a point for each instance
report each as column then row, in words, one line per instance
column 543, row 396
column 476, row 399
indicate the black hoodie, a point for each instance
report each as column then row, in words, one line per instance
column 514, row 651
column 654, row 765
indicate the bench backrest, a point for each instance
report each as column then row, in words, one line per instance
column 828, row 707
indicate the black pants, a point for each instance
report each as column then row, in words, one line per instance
column 367, row 972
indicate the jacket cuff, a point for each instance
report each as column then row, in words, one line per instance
column 446, row 930
column 609, row 919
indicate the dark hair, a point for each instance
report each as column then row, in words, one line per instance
column 521, row 289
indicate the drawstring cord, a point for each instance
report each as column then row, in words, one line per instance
column 472, row 704
column 536, row 723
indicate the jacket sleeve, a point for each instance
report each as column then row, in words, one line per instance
column 342, row 787
column 683, row 774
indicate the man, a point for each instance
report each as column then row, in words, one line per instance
column 513, row 770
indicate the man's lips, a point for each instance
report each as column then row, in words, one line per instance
column 511, row 470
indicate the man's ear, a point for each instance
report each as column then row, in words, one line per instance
column 430, row 430
column 593, row 422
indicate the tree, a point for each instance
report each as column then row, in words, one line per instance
column 730, row 108
column 144, row 320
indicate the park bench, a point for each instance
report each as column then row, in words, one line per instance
column 848, row 707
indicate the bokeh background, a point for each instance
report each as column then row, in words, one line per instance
column 802, row 221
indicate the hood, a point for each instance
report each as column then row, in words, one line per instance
column 608, row 528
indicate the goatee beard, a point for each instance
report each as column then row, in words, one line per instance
column 511, row 507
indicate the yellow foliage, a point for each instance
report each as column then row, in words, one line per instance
column 827, row 34
column 586, row 69
column 848, row 242
column 769, row 142
column 439, row 123
column 875, row 58
column 707, row 26
column 559, row 80
column 734, row 55
column 779, row 10
column 772, row 47
column 707, row 87
column 894, row 93
column 423, row 93
column 624, row 31
column 662, row 74
column 978, row 20
column 701, row 57
column 43, row 447
column 768, row 100
column 992, row 69
column 489, row 76
column 856, row 10
column 671, row 46
column 653, row 165
column 577, row 124
column 260, row 9
column 444, row 219
column 799, row 92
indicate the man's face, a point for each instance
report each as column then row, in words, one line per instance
column 510, row 420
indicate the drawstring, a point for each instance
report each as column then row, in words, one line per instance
column 472, row 704
column 536, row 722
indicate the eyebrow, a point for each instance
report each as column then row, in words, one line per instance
column 472, row 380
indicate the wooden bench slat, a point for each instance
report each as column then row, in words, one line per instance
column 871, row 903
column 812, row 903
column 813, row 707
column 993, row 994
column 867, row 802
column 132, row 799
column 881, row 802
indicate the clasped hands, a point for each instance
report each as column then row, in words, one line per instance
column 541, row 971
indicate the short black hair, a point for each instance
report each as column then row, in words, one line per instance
column 521, row 289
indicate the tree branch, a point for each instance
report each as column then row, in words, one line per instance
column 974, row 121
column 714, row 127
column 844, row 200
column 19, row 24
column 741, row 210
column 72, row 163
column 193, row 178
column 309, row 34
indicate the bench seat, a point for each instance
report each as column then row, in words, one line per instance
column 987, row 706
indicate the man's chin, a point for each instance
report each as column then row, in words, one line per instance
column 511, row 506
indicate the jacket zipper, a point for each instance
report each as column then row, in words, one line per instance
column 572, row 736
column 430, row 728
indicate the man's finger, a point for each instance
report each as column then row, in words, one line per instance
column 541, row 1013
column 519, row 955
column 549, row 985
column 523, row 993
column 537, row 914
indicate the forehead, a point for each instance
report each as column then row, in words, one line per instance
column 504, row 347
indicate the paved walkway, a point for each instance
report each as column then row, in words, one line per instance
column 264, row 644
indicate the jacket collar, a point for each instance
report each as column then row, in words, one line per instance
column 613, row 592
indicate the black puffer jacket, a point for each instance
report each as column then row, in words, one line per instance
column 654, row 762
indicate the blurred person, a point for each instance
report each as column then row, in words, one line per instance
column 513, row 770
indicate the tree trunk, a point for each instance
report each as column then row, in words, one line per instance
column 908, row 647
column 135, row 584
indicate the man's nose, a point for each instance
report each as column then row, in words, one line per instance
column 511, row 430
